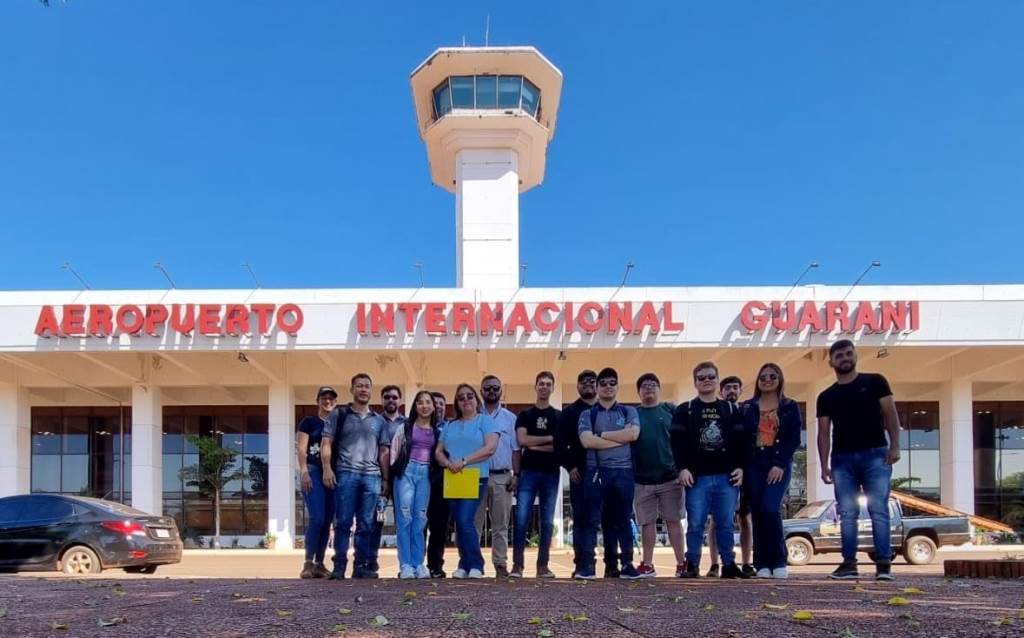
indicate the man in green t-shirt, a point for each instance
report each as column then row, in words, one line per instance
column 658, row 491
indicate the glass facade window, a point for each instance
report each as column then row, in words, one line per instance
column 243, row 429
column 77, row 450
column 999, row 461
column 918, row 470
column 486, row 92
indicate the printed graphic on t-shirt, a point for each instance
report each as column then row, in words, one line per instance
column 711, row 438
column 313, row 451
column 542, row 423
column 767, row 428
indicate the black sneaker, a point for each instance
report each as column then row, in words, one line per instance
column 584, row 573
column 883, row 571
column 336, row 575
column 846, row 571
column 373, row 566
column 629, row 572
column 438, row 573
column 611, row 572
column 363, row 572
column 712, row 571
column 748, row 570
column 689, row 570
column 732, row 570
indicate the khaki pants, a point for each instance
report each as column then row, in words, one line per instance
column 498, row 500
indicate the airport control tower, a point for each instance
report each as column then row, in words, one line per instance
column 487, row 115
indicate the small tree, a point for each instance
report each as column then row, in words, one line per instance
column 215, row 469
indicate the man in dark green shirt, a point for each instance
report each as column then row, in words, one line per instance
column 658, row 490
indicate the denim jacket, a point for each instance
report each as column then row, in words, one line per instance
column 788, row 438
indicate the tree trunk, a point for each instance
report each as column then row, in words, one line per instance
column 216, row 519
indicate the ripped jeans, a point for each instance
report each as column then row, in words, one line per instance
column 412, row 493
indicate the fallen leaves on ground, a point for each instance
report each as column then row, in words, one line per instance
column 912, row 590
column 250, row 599
column 545, row 633
column 3, row 612
column 709, row 607
column 534, row 621
column 111, row 622
column 340, row 628
column 897, row 601
column 627, row 610
column 60, row 626
column 118, row 590
column 461, row 615
column 803, row 616
column 431, row 593
column 1002, row 622
column 847, row 633
column 345, row 611
column 380, row 621
column 284, row 613
column 409, row 595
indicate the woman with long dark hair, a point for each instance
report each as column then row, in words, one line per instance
column 774, row 422
column 467, row 441
column 412, row 453
column 318, row 497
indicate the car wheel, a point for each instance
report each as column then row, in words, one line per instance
column 798, row 550
column 919, row 550
column 144, row 569
column 80, row 560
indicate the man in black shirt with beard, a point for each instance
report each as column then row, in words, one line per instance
column 570, row 451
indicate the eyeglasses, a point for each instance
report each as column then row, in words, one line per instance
column 491, row 388
column 465, row 397
column 649, row 385
column 769, row 377
column 608, row 383
column 706, row 377
column 391, row 397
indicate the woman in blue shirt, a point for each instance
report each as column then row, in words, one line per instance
column 467, row 441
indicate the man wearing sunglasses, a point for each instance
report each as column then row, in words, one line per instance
column 731, row 388
column 711, row 449
column 571, row 454
column 606, row 430
column 391, row 399
column 504, row 472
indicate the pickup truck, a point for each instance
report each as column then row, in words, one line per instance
column 815, row 530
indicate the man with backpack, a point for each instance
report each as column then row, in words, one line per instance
column 711, row 448
column 606, row 431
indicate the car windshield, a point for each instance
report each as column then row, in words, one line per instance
column 114, row 508
column 813, row 510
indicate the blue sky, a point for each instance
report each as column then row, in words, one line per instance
column 711, row 143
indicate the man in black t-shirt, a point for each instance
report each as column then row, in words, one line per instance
column 711, row 449
column 539, row 474
column 571, row 454
column 854, row 415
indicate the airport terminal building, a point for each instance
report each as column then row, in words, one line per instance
column 99, row 389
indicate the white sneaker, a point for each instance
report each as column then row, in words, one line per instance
column 476, row 573
column 459, row 573
column 764, row 572
column 422, row 572
column 406, row 572
column 781, row 573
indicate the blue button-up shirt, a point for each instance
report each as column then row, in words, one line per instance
column 507, row 442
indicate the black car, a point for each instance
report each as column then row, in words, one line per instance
column 78, row 535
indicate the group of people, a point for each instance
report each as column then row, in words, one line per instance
column 654, row 461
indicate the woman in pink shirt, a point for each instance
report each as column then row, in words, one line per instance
column 412, row 452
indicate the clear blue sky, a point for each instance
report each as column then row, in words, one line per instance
column 711, row 144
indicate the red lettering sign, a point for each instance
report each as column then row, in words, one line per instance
column 834, row 316
column 102, row 320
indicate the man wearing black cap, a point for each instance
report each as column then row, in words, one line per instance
column 319, row 499
column 571, row 454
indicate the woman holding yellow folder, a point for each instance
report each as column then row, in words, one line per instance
column 467, row 442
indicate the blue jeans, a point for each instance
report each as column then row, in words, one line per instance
column 544, row 486
column 355, row 498
column 463, row 512
column 412, row 493
column 608, row 499
column 765, row 511
column 320, row 512
column 863, row 470
column 712, row 494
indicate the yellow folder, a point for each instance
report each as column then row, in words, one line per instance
column 465, row 484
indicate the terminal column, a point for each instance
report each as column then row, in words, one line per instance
column 147, row 449
column 817, row 490
column 15, row 440
column 956, row 445
column 563, row 478
column 281, row 465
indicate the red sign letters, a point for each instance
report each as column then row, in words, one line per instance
column 212, row 320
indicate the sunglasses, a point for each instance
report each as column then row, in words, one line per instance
column 466, row 397
column 769, row 377
column 491, row 388
column 607, row 383
column 391, row 397
column 706, row 377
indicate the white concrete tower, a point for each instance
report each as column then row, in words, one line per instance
column 487, row 115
